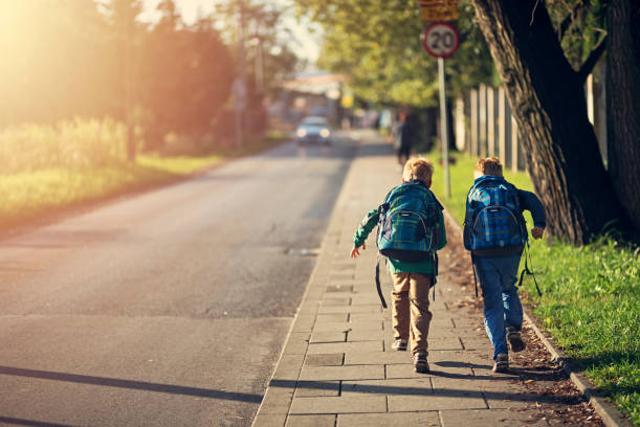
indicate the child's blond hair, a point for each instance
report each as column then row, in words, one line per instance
column 489, row 166
column 418, row 168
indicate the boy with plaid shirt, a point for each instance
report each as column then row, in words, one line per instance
column 497, row 267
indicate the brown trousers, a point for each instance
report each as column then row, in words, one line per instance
column 410, row 310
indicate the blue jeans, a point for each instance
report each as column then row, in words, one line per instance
column 502, row 307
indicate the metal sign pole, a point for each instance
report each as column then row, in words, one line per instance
column 444, row 129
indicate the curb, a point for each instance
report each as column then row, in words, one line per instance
column 610, row 415
column 262, row 417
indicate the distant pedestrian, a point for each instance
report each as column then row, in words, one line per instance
column 495, row 232
column 406, row 134
column 410, row 231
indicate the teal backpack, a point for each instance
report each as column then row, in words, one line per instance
column 408, row 228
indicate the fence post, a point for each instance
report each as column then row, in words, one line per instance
column 459, row 126
column 474, row 122
column 515, row 152
column 482, row 140
column 502, row 126
column 491, row 121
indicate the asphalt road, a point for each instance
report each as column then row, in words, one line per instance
column 168, row 308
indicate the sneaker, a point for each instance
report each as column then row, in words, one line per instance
column 399, row 345
column 421, row 364
column 515, row 340
column 501, row 364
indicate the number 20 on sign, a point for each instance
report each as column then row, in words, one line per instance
column 441, row 39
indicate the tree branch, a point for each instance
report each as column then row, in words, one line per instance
column 568, row 20
column 592, row 59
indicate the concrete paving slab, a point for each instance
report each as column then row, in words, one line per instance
column 334, row 277
column 407, row 370
column 444, row 332
column 339, row 289
column 348, row 265
column 366, row 317
column 344, row 373
column 344, row 347
column 480, row 363
column 436, row 323
column 361, row 335
column 492, row 418
column 388, row 387
column 317, row 389
column 366, row 299
column 409, row 419
column 476, row 342
column 311, row 421
column 276, row 401
column 289, row 367
column 335, row 301
column 270, row 420
column 350, row 309
column 455, row 399
column 332, row 359
column 500, row 392
column 463, row 321
column 339, row 317
column 376, row 357
column 327, row 336
column 324, row 326
column 339, row 405
column 297, row 344
column 435, row 344
column 303, row 323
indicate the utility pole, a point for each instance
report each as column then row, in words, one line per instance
column 260, row 81
column 444, row 128
column 240, row 83
column 126, row 35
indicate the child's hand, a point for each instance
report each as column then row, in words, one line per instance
column 537, row 232
column 355, row 252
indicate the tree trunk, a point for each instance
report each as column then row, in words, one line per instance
column 548, row 102
column 623, row 104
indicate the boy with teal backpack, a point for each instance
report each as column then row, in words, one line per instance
column 410, row 231
column 495, row 232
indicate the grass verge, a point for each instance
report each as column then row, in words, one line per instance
column 590, row 302
column 34, row 194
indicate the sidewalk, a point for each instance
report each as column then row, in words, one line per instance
column 338, row 368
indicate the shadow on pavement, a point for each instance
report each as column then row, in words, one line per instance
column 32, row 423
column 129, row 384
column 439, row 392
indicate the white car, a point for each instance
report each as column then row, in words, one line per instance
column 313, row 129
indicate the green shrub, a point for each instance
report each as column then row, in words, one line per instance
column 67, row 144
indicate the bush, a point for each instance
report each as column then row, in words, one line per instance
column 69, row 144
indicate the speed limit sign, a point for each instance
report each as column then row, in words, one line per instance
column 441, row 39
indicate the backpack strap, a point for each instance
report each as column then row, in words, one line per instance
column 378, row 286
column 475, row 274
column 434, row 278
column 528, row 271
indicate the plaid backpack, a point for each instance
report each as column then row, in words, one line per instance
column 408, row 228
column 493, row 219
